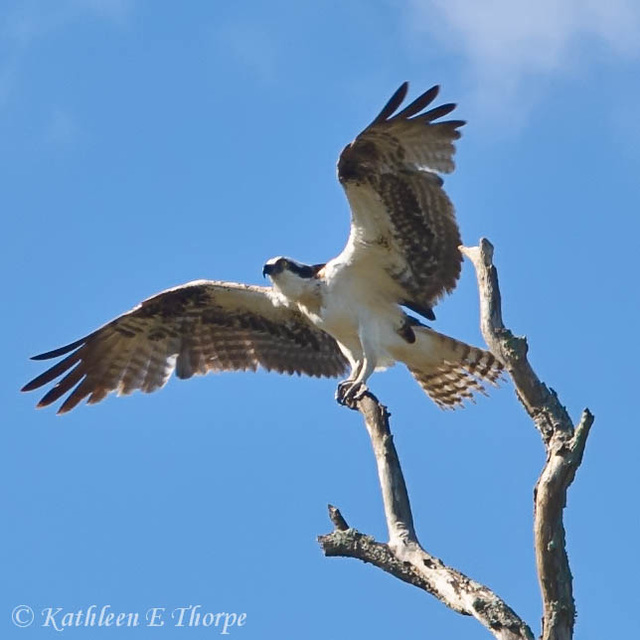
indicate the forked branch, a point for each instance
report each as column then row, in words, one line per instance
column 564, row 447
column 403, row 556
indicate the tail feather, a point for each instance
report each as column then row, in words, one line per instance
column 448, row 370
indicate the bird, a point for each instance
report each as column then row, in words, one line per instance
column 360, row 312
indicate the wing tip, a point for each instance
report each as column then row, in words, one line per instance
column 41, row 405
column 392, row 104
column 60, row 351
column 412, row 111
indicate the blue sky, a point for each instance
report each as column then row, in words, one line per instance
column 148, row 144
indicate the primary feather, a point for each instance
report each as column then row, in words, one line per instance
column 193, row 329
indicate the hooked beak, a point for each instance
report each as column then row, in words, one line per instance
column 267, row 270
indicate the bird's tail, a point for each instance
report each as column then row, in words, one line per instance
column 448, row 370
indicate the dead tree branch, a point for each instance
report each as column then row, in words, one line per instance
column 564, row 447
column 403, row 555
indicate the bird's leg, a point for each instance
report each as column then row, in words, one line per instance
column 345, row 393
column 357, row 388
column 343, row 389
column 353, row 388
column 345, row 385
column 349, row 391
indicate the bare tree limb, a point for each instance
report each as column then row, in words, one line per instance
column 564, row 447
column 540, row 402
column 336, row 517
column 403, row 556
column 395, row 497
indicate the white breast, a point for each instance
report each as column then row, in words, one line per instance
column 354, row 311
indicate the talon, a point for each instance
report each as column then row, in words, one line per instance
column 342, row 391
column 359, row 391
column 349, row 392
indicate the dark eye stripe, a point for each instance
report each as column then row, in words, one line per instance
column 303, row 270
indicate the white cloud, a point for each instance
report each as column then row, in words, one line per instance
column 505, row 43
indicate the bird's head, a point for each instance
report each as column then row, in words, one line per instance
column 291, row 278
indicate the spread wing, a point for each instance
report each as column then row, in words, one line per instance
column 403, row 225
column 199, row 327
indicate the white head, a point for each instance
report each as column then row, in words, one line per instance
column 293, row 279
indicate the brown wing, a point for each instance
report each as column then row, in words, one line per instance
column 196, row 328
column 389, row 173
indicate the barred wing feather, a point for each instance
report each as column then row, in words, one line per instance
column 193, row 329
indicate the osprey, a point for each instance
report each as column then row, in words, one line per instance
column 320, row 320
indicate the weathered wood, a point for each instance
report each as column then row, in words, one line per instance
column 336, row 517
column 564, row 448
column 404, row 557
